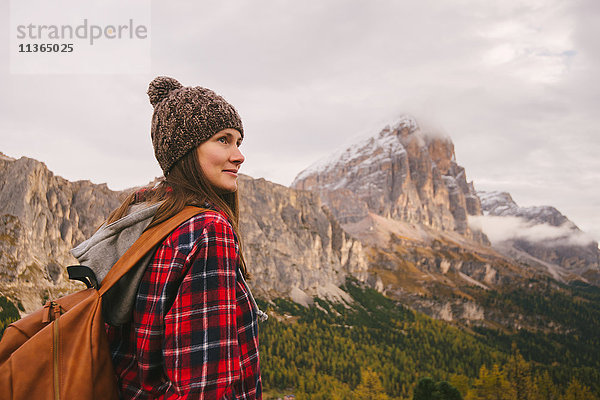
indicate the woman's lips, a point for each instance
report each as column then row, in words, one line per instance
column 231, row 171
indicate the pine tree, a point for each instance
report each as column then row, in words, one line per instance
column 460, row 382
column 424, row 389
column 427, row 389
column 491, row 385
column 544, row 388
column 370, row 386
column 445, row 391
column 518, row 373
column 577, row 391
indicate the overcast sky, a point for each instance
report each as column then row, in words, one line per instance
column 513, row 83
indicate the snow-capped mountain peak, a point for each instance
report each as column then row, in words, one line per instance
column 399, row 173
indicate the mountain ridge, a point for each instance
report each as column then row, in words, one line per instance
column 431, row 179
column 302, row 242
column 332, row 281
column 399, row 173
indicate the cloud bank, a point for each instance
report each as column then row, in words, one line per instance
column 499, row 229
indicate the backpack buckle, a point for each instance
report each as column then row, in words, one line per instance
column 83, row 274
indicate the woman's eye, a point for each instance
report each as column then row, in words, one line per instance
column 222, row 139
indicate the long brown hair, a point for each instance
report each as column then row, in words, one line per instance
column 184, row 185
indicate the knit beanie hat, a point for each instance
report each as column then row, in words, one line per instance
column 184, row 117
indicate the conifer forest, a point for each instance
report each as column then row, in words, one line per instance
column 378, row 349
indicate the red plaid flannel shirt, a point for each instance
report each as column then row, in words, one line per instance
column 194, row 333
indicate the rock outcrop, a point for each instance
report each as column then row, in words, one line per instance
column 42, row 216
column 400, row 174
column 294, row 247
column 391, row 213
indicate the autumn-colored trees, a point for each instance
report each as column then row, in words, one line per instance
column 375, row 345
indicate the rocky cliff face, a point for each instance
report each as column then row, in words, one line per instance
column 294, row 247
column 42, row 216
column 399, row 173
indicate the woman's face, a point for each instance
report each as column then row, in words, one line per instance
column 220, row 159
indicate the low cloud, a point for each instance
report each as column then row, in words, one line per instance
column 499, row 229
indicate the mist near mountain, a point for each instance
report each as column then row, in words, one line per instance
column 502, row 228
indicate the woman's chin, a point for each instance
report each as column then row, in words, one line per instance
column 224, row 189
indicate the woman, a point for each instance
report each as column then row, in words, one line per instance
column 183, row 323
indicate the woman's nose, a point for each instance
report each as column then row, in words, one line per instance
column 236, row 156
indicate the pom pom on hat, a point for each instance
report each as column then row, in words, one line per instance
column 160, row 88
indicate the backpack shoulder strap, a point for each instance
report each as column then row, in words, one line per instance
column 146, row 242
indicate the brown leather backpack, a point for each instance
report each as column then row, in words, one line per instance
column 61, row 351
